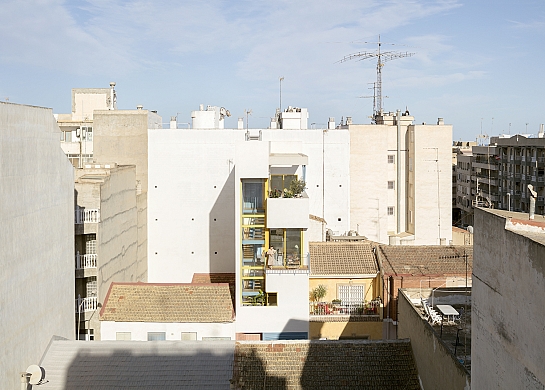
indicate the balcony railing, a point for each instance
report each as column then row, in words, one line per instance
column 86, row 261
column 87, row 216
column 344, row 309
column 86, row 304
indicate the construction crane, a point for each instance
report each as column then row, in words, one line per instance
column 382, row 57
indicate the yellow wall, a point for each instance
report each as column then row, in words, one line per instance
column 371, row 286
column 336, row 330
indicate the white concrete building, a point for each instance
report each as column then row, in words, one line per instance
column 508, row 293
column 77, row 127
column 36, row 245
column 200, row 180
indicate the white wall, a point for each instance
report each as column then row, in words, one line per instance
column 191, row 183
column 36, row 240
column 173, row 330
column 291, row 314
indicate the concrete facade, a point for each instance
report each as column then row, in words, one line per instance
column 400, row 181
column 437, row 367
column 508, row 295
column 36, row 249
column 112, row 239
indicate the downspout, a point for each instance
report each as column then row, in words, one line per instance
column 398, row 166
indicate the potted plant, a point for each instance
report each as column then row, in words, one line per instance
column 295, row 189
column 316, row 295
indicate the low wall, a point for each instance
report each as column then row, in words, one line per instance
column 333, row 330
column 437, row 367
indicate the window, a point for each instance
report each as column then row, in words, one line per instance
column 351, row 293
column 123, row 335
column 390, row 210
column 252, row 194
column 156, row 336
column 91, row 286
column 272, row 299
column 215, row 338
column 391, row 185
column 391, row 159
column 279, row 183
column 189, row 336
column 90, row 244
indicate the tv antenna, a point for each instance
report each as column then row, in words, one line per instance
column 382, row 57
column 247, row 112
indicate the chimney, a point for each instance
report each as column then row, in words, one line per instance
column 173, row 122
column 440, row 121
column 139, row 107
column 240, row 123
column 331, row 123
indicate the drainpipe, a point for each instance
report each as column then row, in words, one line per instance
column 398, row 228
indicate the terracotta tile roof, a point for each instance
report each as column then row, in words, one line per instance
column 149, row 302
column 354, row 364
column 138, row 365
column 217, row 277
column 425, row 260
column 342, row 258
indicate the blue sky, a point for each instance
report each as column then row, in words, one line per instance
column 474, row 61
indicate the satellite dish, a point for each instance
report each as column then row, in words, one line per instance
column 37, row 374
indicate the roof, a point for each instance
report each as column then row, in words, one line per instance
column 350, row 364
column 519, row 223
column 342, row 258
column 425, row 260
column 71, row 365
column 147, row 302
column 217, row 277
column 294, row 364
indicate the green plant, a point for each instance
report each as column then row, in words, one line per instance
column 259, row 299
column 317, row 293
column 336, row 301
column 295, row 189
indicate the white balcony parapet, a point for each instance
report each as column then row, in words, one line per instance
column 86, row 304
column 86, row 261
column 87, row 216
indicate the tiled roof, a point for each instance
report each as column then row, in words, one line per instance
column 293, row 364
column 71, row 365
column 147, row 302
column 217, row 277
column 425, row 260
column 357, row 364
column 342, row 258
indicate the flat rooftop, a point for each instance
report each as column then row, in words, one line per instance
column 520, row 223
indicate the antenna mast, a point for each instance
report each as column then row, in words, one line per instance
column 382, row 57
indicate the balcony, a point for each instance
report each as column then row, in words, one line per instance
column 289, row 213
column 345, row 311
column 83, row 216
column 86, row 304
column 87, row 261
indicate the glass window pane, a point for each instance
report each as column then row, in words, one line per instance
column 156, row 336
column 276, row 183
column 276, row 240
column 293, row 247
column 252, row 195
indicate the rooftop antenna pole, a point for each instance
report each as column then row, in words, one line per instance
column 382, row 57
column 281, row 79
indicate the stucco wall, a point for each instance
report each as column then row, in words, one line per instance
column 432, row 184
column 346, row 330
column 371, row 287
column 121, row 136
column 118, row 235
column 508, row 297
column 437, row 367
column 173, row 331
column 36, row 240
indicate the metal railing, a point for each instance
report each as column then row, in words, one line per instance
column 87, row 216
column 86, row 304
column 344, row 308
column 86, row 261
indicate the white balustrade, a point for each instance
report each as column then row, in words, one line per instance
column 87, row 216
column 86, row 304
column 86, row 261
